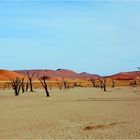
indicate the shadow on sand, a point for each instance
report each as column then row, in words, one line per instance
column 103, row 126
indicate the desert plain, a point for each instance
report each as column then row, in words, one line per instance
column 79, row 113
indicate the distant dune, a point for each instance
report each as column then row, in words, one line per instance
column 59, row 73
column 126, row 75
column 6, row 74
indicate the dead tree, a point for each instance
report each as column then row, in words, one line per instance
column 16, row 85
column 27, row 86
column 22, row 85
column 103, row 83
column 59, row 83
column 113, row 83
column 30, row 78
column 93, row 81
column 44, row 84
column 65, row 83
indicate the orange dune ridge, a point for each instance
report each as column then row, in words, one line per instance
column 56, row 75
column 126, row 75
column 5, row 75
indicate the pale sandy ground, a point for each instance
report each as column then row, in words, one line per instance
column 82, row 113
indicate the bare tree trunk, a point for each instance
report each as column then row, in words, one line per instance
column 47, row 92
column 30, row 78
column 23, row 85
column 44, row 84
column 31, row 85
column 27, row 86
column 103, row 84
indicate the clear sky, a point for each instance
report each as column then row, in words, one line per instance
column 94, row 36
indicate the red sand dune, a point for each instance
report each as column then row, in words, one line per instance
column 69, row 74
column 66, row 71
column 7, row 74
column 56, row 74
column 125, row 75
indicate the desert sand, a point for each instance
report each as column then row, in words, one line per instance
column 80, row 113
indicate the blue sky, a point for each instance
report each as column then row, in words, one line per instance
column 94, row 36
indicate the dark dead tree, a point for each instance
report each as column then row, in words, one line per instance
column 103, row 83
column 65, row 83
column 16, row 85
column 113, row 83
column 44, row 84
column 26, row 86
column 22, row 85
column 60, row 84
column 93, row 81
column 30, row 78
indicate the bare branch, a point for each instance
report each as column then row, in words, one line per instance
column 16, row 85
